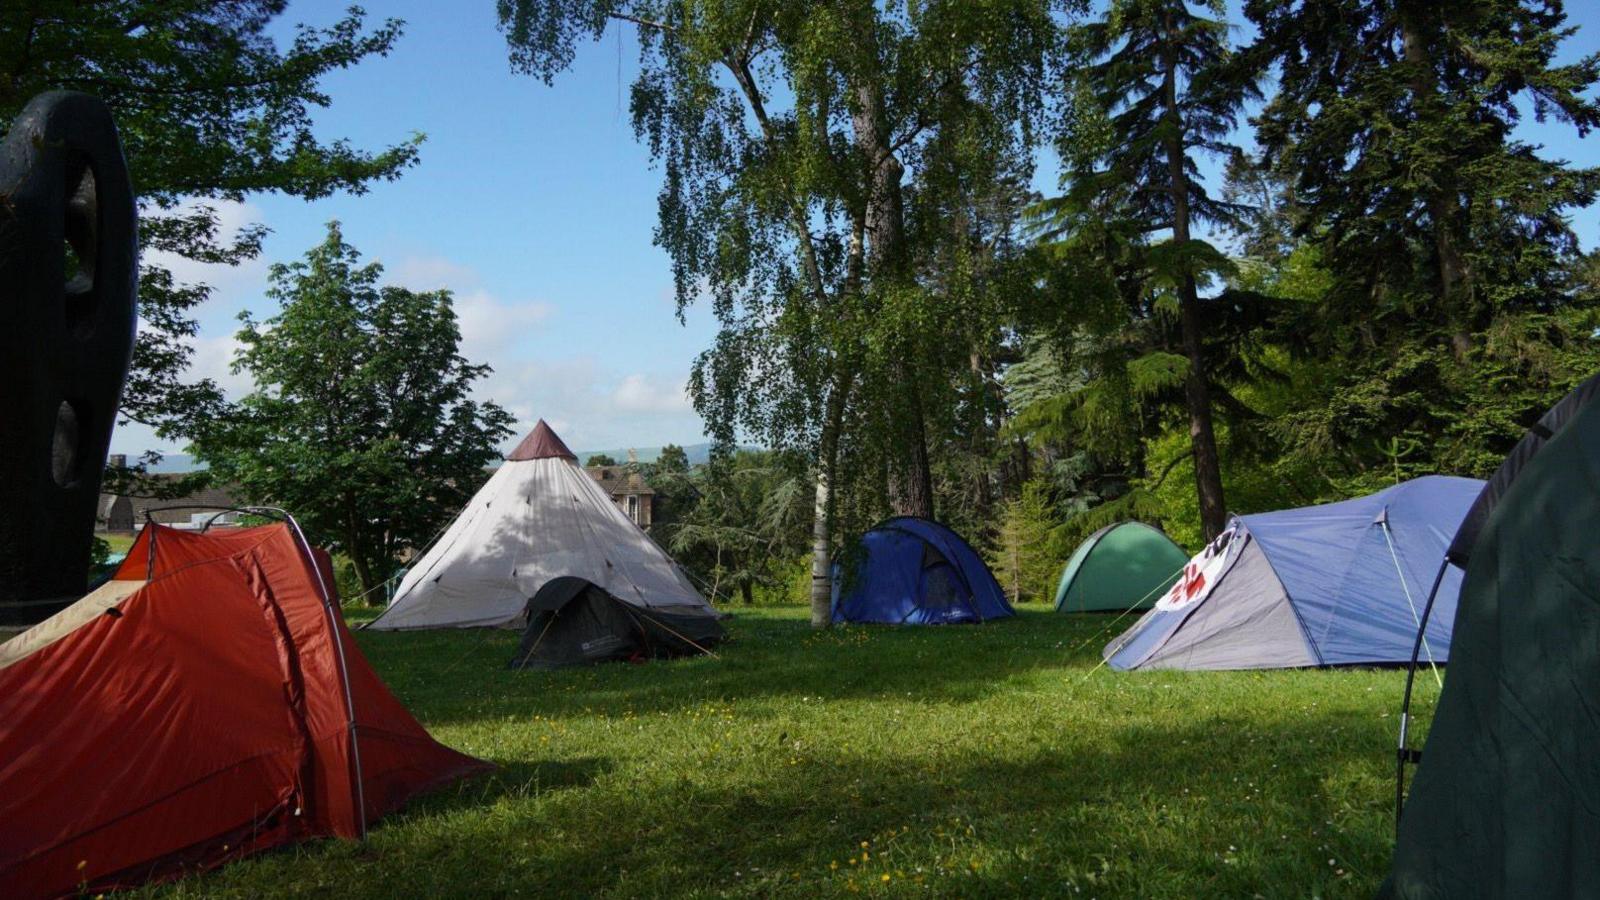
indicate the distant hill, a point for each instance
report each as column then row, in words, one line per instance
column 698, row 454
column 175, row 464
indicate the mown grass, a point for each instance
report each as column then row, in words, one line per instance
column 965, row 761
column 119, row 543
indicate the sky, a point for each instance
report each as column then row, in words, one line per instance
column 535, row 205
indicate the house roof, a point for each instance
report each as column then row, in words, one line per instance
column 198, row 501
column 616, row 480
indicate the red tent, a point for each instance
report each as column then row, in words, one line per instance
column 203, row 705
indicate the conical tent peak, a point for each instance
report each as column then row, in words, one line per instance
column 541, row 443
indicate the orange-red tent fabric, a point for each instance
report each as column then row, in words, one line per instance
column 205, row 716
column 179, row 548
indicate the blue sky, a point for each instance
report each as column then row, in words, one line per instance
column 535, row 205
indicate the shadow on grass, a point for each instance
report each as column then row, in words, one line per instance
column 1153, row 812
column 765, row 657
column 513, row 779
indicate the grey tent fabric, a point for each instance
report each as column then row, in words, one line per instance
column 1259, row 632
column 1354, row 574
column 572, row 621
column 1506, row 801
column 539, row 517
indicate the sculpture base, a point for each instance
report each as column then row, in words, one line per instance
column 21, row 615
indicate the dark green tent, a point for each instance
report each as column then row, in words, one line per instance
column 1506, row 801
column 1124, row 566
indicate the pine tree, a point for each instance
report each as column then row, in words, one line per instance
column 1395, row 120
column 1024, row 561
column 1450, row 316
column 1159, row 89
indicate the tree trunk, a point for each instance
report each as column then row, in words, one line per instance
column 822, row 515
column 1016, row 568
column 359, row 563
column 747, row 592
column 911, row 481
column 1196, row 392
column 1455, row 290
column 822, row 552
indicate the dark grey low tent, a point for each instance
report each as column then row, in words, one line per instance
column 1507, row 797
column 572, row 622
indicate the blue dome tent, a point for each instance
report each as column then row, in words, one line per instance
column 910, row 571
column 1331, row 585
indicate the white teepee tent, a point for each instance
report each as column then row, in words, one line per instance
column 539, row 517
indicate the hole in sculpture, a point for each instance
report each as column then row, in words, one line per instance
column 66, row 454
column 81, row 233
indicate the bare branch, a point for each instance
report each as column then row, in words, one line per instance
column 643, row 23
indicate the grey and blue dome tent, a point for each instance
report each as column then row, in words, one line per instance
column 910, row 571
column 1121, row 567
column 1337, row 584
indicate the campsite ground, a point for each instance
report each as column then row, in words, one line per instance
column 985, row 761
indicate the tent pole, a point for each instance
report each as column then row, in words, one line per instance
column 1402, row 753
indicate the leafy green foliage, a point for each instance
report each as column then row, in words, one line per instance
column 361, row 423
column 837, row 179
column 209, row 110
column 1157, row 88
column 749, row 522
column 1025, row 559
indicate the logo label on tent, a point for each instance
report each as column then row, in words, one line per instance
column 1200, row 575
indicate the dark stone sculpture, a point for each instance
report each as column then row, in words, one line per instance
column 68, row 280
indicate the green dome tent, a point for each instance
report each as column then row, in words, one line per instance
column 1506, row 801
column 1124, row 566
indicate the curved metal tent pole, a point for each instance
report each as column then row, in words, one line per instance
column 1404, row 754
column 333, row 628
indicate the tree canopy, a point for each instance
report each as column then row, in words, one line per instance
column 1384, row 284
column 361, row 422
column 210, row 109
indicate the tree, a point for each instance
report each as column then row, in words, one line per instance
column 796, row 143
column 601, row 459
column 750, row 520
column 673, row 459
column 1157, row 91
column 1394, row 119
column 361, row 422
column 209, row 110
column 1449, row 318
column 1024, row 560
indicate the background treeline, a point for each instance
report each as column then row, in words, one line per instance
column 1278, row 259
column 1381, row 282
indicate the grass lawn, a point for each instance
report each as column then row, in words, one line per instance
column 962, row 761
column 120, row 543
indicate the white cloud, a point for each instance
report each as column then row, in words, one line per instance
column 213, row 358
column 638, row 393
column 590, row 404
column 430, row 273
column 593, row 409
column 490, row 327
